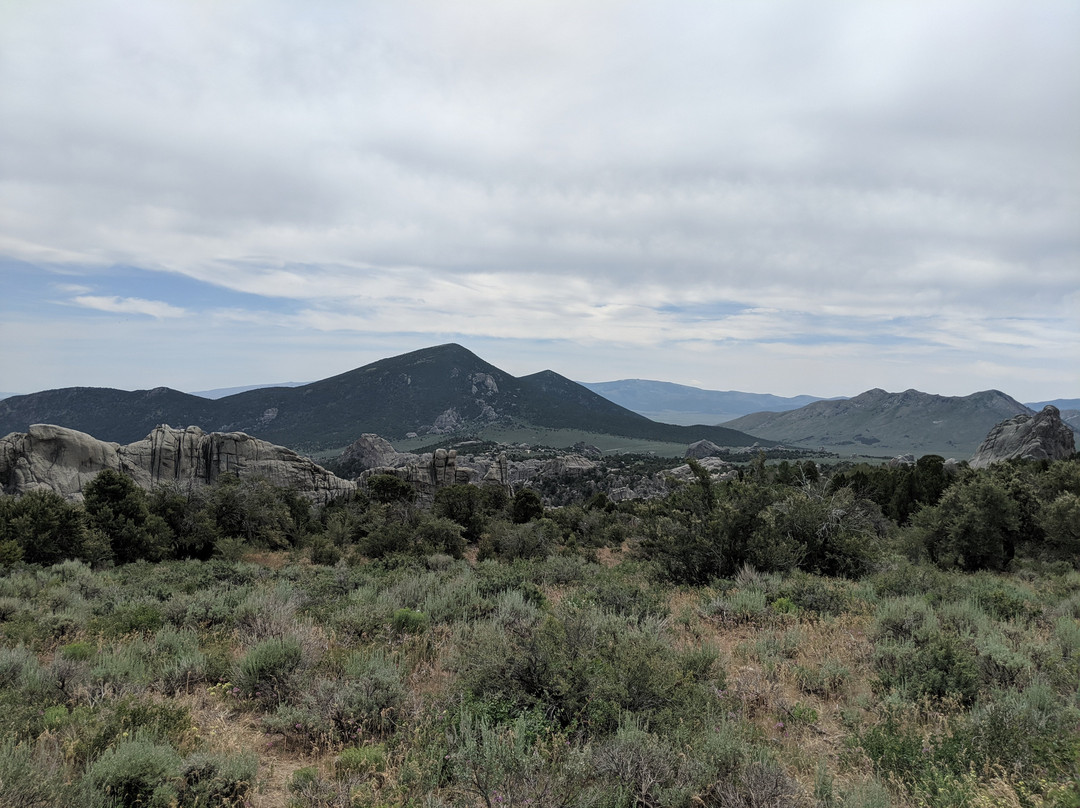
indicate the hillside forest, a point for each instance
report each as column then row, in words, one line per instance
column 800, row 635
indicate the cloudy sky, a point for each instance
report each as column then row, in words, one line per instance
column 783, row 197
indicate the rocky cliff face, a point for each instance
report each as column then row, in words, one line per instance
column 1043, row 436
column 64, row 460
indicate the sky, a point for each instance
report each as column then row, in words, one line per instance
column 798, row 197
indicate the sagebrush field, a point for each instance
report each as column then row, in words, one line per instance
column 772, row 641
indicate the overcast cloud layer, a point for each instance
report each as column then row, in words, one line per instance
column 785, row 197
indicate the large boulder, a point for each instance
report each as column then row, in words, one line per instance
column 702, row 449
column 371, row 451
column 64, row 460
column 1042, row 436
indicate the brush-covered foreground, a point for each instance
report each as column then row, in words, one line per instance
column 877, row 637
column 557, row 681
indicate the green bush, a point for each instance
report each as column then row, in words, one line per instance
column 33, row 777
column 265, row 673
column 939, row 667
column 77, row 651
column 439, row 535
column 825, row 680
column 222, row 781
column 142, row 617
column 117, row 509
column 135, row 772
column 360, row 760
column 508, row 542
column 740, row 606
column 40, row 527
column 904, row 618
column 324, row 552
column 409, row 621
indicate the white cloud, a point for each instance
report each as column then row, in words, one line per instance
column 129, row 305
column 562, row 170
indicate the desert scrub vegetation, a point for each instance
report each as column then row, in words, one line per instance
column 555, row 681
column 771, row 641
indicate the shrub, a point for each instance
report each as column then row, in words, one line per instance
column 439, row 535
column 133, row 617
column 1027, row 732
column 135, row 772
column 526, row 506
column 77, row 651
column 265, row 673
column 223, row 781
column 409, row 621
column 642, row 766
column 940, row 667
column 825, row 680
column 505, row 541
column 902, row 619
column 508, row 765
column 324, row 552
column 741, row 606
column 32, row 777
column 360, row 760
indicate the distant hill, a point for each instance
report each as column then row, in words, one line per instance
column 1072, row 418
column 7, row 395
column 877, row 422
column 441, row 390
column 1060, row 403
column 120, row 416
column 681, row 404
column 221, row 392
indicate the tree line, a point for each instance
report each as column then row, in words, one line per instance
column 834, row 521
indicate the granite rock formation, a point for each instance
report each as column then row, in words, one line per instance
column 1042, row 436
column 556, row 473
column 64, row 460
column 702, row 448
column 427, row 473
column 371, row 451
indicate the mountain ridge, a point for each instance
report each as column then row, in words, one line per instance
column 443, row 389
column 684, row 404
column 907, row 422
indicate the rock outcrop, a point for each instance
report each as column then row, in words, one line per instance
column 371, row 451
column 1043, row 436
column 701, row 449
column 64, row 460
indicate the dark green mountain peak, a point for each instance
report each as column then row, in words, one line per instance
column 445, row 389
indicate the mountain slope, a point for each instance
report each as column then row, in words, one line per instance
column 221, row 392
column 120, row 416
column 569, row 404
column 888, row 423
column 444, row 389
column 681, row 404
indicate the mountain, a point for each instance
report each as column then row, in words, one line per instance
column 1060, row 403
column 440, row 390
column 105, row 413
column 681, row 404
column 1071, row 419
column 881, row 423
column 221, row 392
